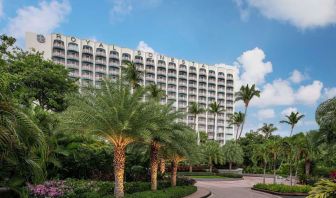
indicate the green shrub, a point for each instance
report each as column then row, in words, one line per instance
column 195, row 173
column 283, row 188
column 254, row 170
column 172, row 192
column 230, row 175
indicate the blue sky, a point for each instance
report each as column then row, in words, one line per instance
column 285, row 47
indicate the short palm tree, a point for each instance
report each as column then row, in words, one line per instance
column 195, row 110
column 131, row 75
column 155, row 93
column 292, row 120
column 215, row 108
column 237, row 119
column 114, row 114
column 212, row 153
column 267, row 130
column 232, row 153
column 260, row 152
column 246, row 94
column 274, row 149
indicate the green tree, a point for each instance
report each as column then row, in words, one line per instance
column 131, row 75
column 237, row 119
column 195, row 110
column 292, row 120
column 260, row 153
column 212, row 153
column 232, row 153
column 215, row 108
column 114, row 114
column 274, row 149
column 267, row 130
column 326, row 118
column 155, row 93
column 246, row 94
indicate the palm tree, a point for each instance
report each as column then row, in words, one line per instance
column 292, row 120
column 267, row 130
column 212, row 153
column 215, row 108
column 114, row 114
column 274, row 149
column 155, row 93
column 308, row 146
column 131, row 75
column 237, row 119
column 326, row 118
column 232, row 153
column 260, row 151
column 178, row 150
column 246, row 94
column 195, row 110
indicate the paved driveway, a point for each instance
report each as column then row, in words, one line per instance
column 235, row 189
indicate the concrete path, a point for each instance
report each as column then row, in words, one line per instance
column 235, row 189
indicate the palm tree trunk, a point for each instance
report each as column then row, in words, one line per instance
column 290, row 175
column 162, row 166
column 154, row 165
column 174, row 172
column 237, row 132
column 307, row 167
column 119, row 170
column 210, row 164
column 274, row 170
column 242, row 125
column 190, row 168
column 230, row 165
column 214, row 129
column 264, row 175
column 291, row 131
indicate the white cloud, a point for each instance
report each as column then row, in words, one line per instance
column 297, row 76
column 288, row 111
column 279, row 92
column 122, row 8
column 243, row 10
column 254, row 69
column 142, row 46
column 263, row 114
column 330, row 92
column 302, row 14
column 309, row 94
column 41, row 19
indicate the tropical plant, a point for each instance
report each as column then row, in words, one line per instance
column 114, row 114
column 131, row 75
column 292, row 120
column 326, row 118
column 237, row 119
column 215, row 108
column 155, row 93
column 260, row 153
column 274, row 149
column 267, row 130
column 195, row 110
column 232, row 153
column 309, row 149
column 246, row 94
column 212, row 153
column 323, row 189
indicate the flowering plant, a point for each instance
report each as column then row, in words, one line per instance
column 333, row 175
column 48, row 189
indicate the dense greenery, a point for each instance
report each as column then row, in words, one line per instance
column 283, row 188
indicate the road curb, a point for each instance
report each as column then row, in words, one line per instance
column 200, row 193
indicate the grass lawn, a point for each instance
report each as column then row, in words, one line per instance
column 207, row 177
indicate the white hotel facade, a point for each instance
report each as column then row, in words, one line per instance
column 184, row 81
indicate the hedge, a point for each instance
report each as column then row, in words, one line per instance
column 283, row 188
column 172, row 192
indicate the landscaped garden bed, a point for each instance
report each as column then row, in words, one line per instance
column 208, row 175
column 282, row 189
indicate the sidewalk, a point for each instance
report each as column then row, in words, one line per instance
column 200, row 193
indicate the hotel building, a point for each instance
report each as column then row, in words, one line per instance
column 184, row 81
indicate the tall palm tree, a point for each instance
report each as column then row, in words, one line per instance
column 292, row 120
column 246, row 94
column 215, row 108
column 267, row 130
column 131, row 74
column 237, row 119
column 212, row 153
column 195, row 110
column 114, row 114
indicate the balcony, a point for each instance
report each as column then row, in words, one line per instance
column 114, row 64
column 183, row 91
column 87, row 68
column 192, row 85
column 138, row 61
column 114, row 72
column 192, row 99
column 170, row 74
column 202, row 94
column 161, row 80
column 212, row 74
column 87, row 60
column 172, row 89
column 229, row 76
column 221, row 82
column 202, row 86
column 221, row 89
column 183, row 68
column 161, row 72
column 74, row 74
column 212, row 88
column 87, row 51
column 172, row 97
column 212, row 80
column 192, row 93
column 184, row 84
column 100, row 62
column 99, row 78
column 126, row 58
column 101, row 53
column 87, row 77
column 58, row 45
column 150, row 78
column 183, row 76
column 172, row 66
column 202, row 72
column 202, row 79
column 150, row 70
column 172, row 82
column 114, row 56
column 73, row 48
column 161, row 64
column 100, row 70
column 192, row 71
column 73, row 57
column 58, row 54
column 182, row 105
column 73, row 65
column 212, row 95
column 193, row 78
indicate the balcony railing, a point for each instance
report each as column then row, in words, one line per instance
column 58, row 54
column 101, row 62
column 138, row 61
column 114, row 56
column 90, row 60
column 86, row 67
column 87, row 51
column 86, row 76
column 73, row 65
column 99, row 69
column 74, row 57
